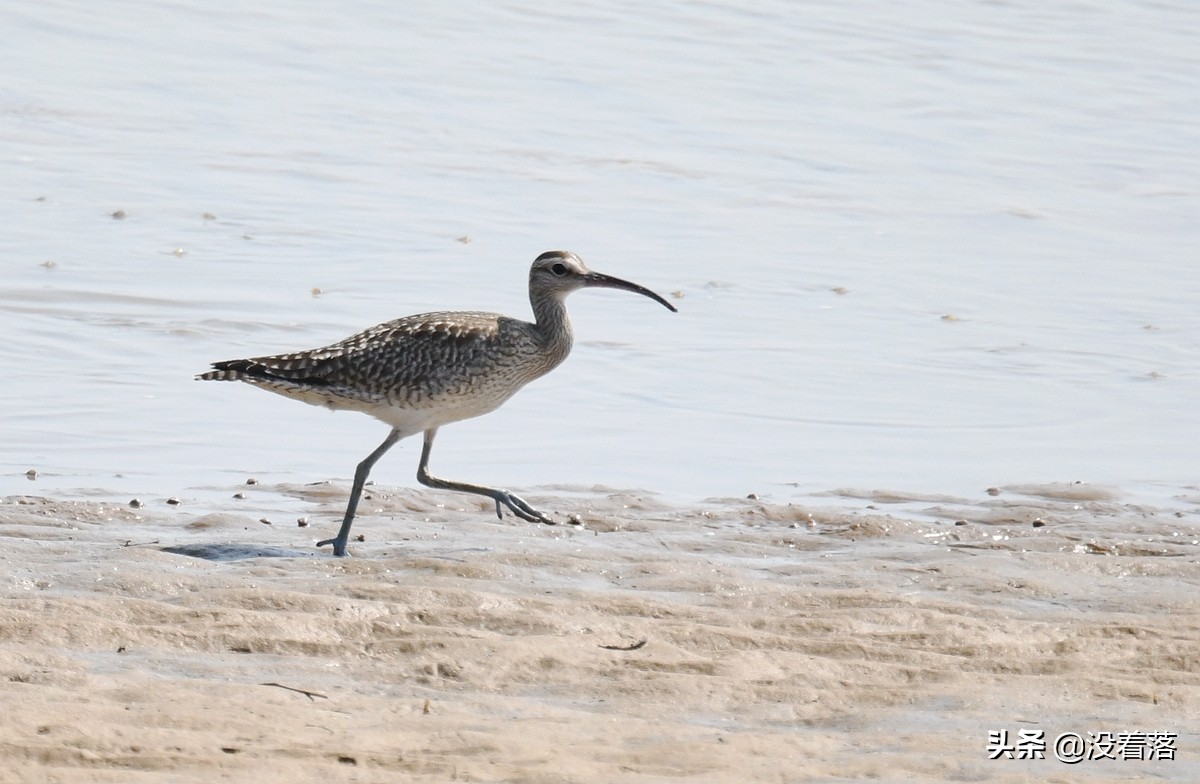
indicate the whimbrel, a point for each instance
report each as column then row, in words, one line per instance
column 421, row 372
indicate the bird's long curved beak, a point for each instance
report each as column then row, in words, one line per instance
column 609, row 282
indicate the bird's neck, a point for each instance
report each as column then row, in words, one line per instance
column 554, row 327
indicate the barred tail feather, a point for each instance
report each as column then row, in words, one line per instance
column 260, row 370
column 235, row 370
column 219, row 375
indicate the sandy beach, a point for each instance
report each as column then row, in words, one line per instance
column 734, row 640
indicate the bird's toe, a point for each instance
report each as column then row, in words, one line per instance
column 339, row 546
column 521, row 508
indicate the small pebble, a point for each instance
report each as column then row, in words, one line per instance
column 179, row 252
column 949, row 317
column 136, row 503
column 264, row 521
column 360, row 538
column 993, row 491
column 251, row 481
column 208, row 216
column 1038, row 523
column 574, row 519
column 119, row 215
column 753, row 496
column 464, row 239
column 49, row 263
column 316, row 291
column 960, row 522
column 239, row 496
column 173, row 501
column 31, row 474
column 840, row 290
column 302, row 522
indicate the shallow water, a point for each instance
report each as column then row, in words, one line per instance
column 926, row 249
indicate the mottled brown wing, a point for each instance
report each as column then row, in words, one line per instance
column 402, row 360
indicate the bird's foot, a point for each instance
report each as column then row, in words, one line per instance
column 339, row 546
column 519, row 507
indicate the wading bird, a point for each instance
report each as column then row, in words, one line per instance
column 421, row 372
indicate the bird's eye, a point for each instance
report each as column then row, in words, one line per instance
column 559, row 269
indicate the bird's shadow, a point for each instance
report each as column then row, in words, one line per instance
column 235, row 552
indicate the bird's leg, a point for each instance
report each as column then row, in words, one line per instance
column 360, row 479
column 515, row 503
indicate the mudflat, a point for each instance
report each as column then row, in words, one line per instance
column 730, row 640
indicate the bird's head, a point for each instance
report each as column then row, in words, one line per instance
column 559, row 272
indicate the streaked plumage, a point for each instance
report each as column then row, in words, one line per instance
column 421, row 372
column 412, row 373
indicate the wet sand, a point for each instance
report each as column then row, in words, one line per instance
column 733, row 640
